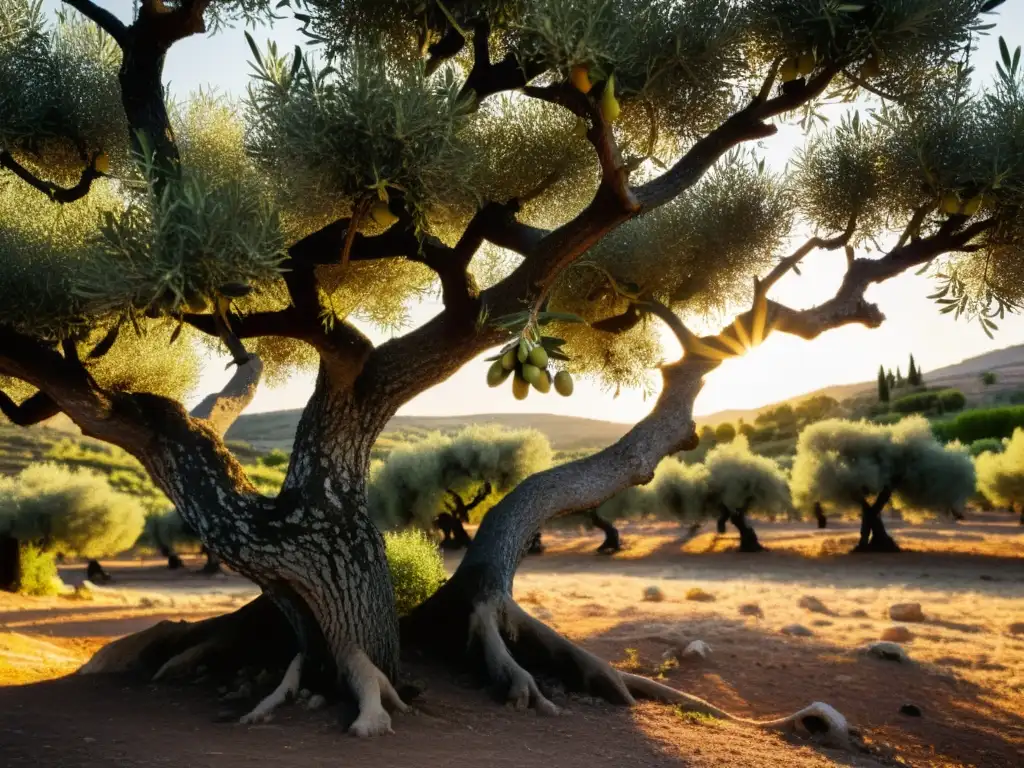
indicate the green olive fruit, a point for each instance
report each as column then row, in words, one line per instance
column 531, row 373
column 805, row 63
column 950, row 203
column 520, row 388
column 539, row 357
column 543, row 383
column 563, row 383
column 973, row 205
column 497, row 373
column 524, row 351
column 789, row 70
column 508, row 360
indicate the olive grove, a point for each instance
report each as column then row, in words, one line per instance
column 541, row 163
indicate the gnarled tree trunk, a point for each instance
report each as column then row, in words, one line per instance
column 748, row 537
column 819, row 515
column 10, row 563
column 873, row 536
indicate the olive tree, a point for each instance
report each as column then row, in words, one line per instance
column 862, row 466
column 1001, row 475
column 541, row 162
column 70, row 512
column 741, row 482
column 440, row 480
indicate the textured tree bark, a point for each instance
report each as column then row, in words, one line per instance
column 819, row 515
column 212, row 565
column 722, row 523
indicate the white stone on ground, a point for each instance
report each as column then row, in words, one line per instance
column 813, row 604
column 796, row 630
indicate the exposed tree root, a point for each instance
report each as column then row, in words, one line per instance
column 373, row 692
column 818, row 720
column 287, row 689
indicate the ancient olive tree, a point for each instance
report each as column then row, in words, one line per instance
column 440, row 480
column 542, row 162
column 1001, row 475
column 69, row 512
column 862, row 466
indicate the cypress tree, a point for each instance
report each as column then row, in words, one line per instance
column 883, row 386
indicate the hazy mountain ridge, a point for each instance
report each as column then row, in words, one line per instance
column 276, row 429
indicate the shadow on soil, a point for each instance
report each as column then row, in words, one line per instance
column 755, row 674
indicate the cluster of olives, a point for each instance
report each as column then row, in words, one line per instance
column 797, row 66
column 952, row 204
column 526, row 361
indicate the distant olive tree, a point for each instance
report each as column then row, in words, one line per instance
column 740, row 483
column 454, row 476
column 1001, row 475
column 862, row 466
column 69, row 512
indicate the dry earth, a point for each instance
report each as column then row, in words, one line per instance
column 966, row 673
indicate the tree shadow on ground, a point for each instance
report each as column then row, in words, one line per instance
column 918, row 570
column 761, row 675
column 103, row 721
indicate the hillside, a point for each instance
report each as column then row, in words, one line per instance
column 276, row 429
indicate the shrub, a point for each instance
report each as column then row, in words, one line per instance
column 740, row 480
column 276, row 458
column 981, row 423
column 725, row 433
column 417, row 568
column 75, row 512
column 986, row 445
column 943, row 400
column 38, row 571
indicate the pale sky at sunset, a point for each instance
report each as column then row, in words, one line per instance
column 783, row 367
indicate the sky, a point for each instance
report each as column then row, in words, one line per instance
column 781, row 368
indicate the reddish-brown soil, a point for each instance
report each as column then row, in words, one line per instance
column 967, row 675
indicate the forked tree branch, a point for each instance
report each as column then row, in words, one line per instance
column 53, row 191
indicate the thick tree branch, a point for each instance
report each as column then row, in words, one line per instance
column 486, row 78
column 103, row 18
column 165, row 26
column 748, row 124
column 222, row 409
column 33, row 410
column 614, row 171
column 56, row 193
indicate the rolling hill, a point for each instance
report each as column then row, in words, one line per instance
column 276, row 429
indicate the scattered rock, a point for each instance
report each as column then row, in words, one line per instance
column 316, row 701
column 699, row 595
column 796, row 630
column 304, row 694
column 751, row 609
column 697, row 649
column 897, row 634
column 910, row 710
column 814, row 605
column 844, row 678
column 859, row 614
column 887, row 651
column 906, row 612
column 653, row 595
column 1017, row 628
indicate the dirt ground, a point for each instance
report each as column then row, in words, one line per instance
column 966, row 669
